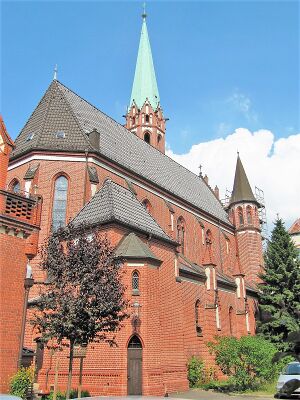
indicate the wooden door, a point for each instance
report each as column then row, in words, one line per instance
column 134, row 367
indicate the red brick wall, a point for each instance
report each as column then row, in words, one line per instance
column 168, row 307
column 12, row 274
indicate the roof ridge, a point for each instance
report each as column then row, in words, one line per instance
column 73, row 114
column 138, row 138
column 108, row 182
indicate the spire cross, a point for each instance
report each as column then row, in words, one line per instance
column 200, row 170
column 55, row 73
column 144, row 15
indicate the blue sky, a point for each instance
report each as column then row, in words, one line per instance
column 220, row 65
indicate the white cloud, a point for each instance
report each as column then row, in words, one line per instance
column 272, row 165
column 242, row 103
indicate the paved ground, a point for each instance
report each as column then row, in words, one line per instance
column 197, row 394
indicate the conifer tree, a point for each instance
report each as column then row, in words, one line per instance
column 279, row 295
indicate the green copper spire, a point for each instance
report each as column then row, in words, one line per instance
column 144, row 84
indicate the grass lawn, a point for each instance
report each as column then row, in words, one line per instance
column 267, row 389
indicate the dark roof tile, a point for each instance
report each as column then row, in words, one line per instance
column 62, row 109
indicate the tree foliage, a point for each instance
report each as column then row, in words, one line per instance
column 247, row 361
column 20, row 384
column 279, row 297
column 84, row 300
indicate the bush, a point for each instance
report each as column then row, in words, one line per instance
column 195, row 371
column 59, row 396
column 219, row 386
column 73, row 394
column 20, row 384
column 246, row 361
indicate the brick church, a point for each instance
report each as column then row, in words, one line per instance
column 191, row 263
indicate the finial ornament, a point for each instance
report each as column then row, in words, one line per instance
column 200, row 170
column 55, row 73
column 144, row 15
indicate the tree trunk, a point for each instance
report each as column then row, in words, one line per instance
column 70, row 370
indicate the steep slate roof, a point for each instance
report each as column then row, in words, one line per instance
column 115, row 203
column 144, row 84
column 62, row 109
column 131, row 246
column 241, row 188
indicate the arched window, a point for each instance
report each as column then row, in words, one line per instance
column 181, row 233
column 249, row 215
column 60, row 202
column 240, row 216
column 197, row 316
column 135, row 281
column 146, row 203
column 15, row 186
column 147, row 137
column 133, row 120
column 230, row 320
column 135, row 343
column 147, row 118
column 158, row 138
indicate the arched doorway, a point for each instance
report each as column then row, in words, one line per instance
column 134, row 366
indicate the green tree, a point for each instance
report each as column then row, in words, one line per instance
column 247, row 361
column 84, row 300
column 279, row 295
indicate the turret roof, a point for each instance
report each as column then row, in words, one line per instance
column 144, row 84
column 131, row 246
column 241, row 188
column 114, row 203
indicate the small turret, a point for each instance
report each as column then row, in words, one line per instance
column 243, row 213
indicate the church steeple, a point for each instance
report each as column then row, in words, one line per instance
column 144, row 84
column 145, row 117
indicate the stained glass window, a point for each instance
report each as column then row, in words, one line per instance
column 60, row 202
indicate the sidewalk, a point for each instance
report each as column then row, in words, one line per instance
column 198, row 394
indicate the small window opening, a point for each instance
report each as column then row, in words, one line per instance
column 16, row 187
column 181, row 233
column 249, row 216
column 240, row 216
column 147, row 137
column 197, row 322
column 29, row 137
column 147, row 118
column 146, row 203
column 60, row 134
column 135, row 282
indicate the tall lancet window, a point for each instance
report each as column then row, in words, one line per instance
column 59, row 209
